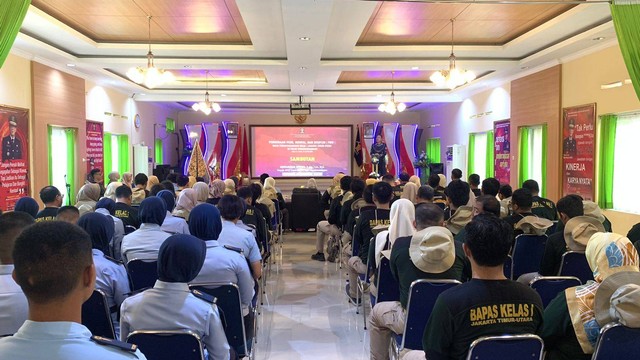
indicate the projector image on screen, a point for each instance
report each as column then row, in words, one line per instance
column 300, row 109
column 300, row 151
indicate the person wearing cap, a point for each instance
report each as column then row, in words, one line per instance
column 569, row 144
column 574, row 318
column 11, row 145
column 540, row 206
column 52, row 199
column 430, row 253
column 458, row 195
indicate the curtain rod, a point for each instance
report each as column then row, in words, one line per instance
column 517, row 2
column 626, row 113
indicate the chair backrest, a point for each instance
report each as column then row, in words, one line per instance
column 422, row 296
column 275, row 220
column 617, row 342
column 96, row 315
column 128, row 229
column 527, row 254
column 574, row 263
column 508, row 267
column 388, row 287
column 230, row 306
column 548, row 287
column 143, row 273
column 168, row 345
column 506, row 347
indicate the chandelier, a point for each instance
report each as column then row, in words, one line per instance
column 392, row 106
column 150, row 76
column 207, row 105
column 453, row 77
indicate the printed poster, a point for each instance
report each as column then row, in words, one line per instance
column 95, row 146
column 14, row 167
column 578, row 150
column 502, row 151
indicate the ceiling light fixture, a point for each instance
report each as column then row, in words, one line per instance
column 207, row 105
column 304, row 38
column 598, row 38
column 392, row 106
column 71, row 65
column 453, row 77
column 149, row 76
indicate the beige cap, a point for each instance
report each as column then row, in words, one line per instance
column 578, row 231
column 432, row 250
column 534, row 225
column 618, row 299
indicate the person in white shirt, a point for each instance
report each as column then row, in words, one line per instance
column 144, row 243
column 231, row 209
column 172, row 224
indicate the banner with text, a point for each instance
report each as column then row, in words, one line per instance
column 95, row 146
column 14, row 168
column 502, row 151
column 578, row 150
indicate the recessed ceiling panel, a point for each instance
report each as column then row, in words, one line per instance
column 349, row 77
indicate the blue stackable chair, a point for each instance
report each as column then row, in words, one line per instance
column 507, row 347
column 168, row 345
column 363, row 283
column 617, row 342
column 548, row 287
column 508, row 267
column 386, row 284
column 527, row 254
column 142, row 273
column 96, row 315
column 574, row 263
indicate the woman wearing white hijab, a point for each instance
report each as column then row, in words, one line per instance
column 270, row 189
column 402, row 217
column 416, row 180
column 110, row 192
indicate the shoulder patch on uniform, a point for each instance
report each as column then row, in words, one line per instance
column 114, row 343
column 113, row 260
column 204, row 296
column 233, row 248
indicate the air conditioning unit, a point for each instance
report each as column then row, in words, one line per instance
column 300, row 109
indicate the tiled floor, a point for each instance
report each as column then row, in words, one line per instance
column 307, row 315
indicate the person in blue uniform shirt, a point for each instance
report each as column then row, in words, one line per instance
column 107, row 207
column 11, row 145
column 144, row 243
column 54, row 267
column 169, row 305
column 172, row 224
column 111, row 276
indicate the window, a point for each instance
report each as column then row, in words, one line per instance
column 433, row 150
column 116, row 153
column 625, row 174
column 159, row 152
column 62, row 168
column 532, row 162
column 480, row 157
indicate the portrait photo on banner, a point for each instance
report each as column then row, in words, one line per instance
column 14, row 168
column 578, row 150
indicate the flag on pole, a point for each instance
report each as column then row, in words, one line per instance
column 244, row 169
column 357, row 150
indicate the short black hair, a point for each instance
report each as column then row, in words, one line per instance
column 256, row 191
column 182, row 180
column 490, row 204
column 531, row 185
column 263, row 177
column 523, row 198
column 49, row 193
column 426, row 192
column 456, row 174
column 11, row 225
column 345, row 183
column 140, row 179
column 434, row 180
column 458, row 193
column 199, row 179
column 173, row 177
column 68, row 208
column 123, row 192
column 383, row 192
column 490, row 186
column 357, row 185
column 367, row 194
column 168, row 185
column 489, row 239
column 245, row 192
column 505, row 190
column 155, row 189
column 49, row 259
column 474, row 179
column 429, row 215
column 404, row 176
column 388, row 177
column 571, row 205
column 231, row 207
column 94, row 171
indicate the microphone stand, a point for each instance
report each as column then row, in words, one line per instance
column 68, row 186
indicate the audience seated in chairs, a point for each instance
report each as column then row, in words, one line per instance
column 436, row 183
column 107, row 207
column 52, row 200
column 187, row 200
column 521, row 202
column 139, row 191
column 474, row 183
column 217, row 191
column 143, row 244
column 123, row 210
column 172, row 224
column 202, row 192
column 409, row 192
column 540, row 206
column 69, row 214
column 504, row 194
column 458, row 213
column 425, row 195
column 253, row 217
column 27, row 205
column 88, row 196
column 256, row 193
column 363, row 204
column 169, row 305
column 331, row 226
column 485, row 204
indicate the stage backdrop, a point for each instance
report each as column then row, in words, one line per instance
column 578, row 148
column 95, row 144
column 14, row 168
column 502, row 151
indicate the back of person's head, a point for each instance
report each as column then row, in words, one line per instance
column 168, row 198
column 256, row 189
column 106, row 203
column 123, row 192
column 168, row 185
column 433, row 180
column 182, row 180
column 141, row 179
column 388, row 178
column 231, row 207
column 27, row 205
column 489, row 204
column 458, row 193
column 152, row 210
column 456, row 174
column 51, row 258
column 345, row 183
column 426, row 192
column 571, row 205
column 428, row 215
column 49, row 193
column 404, row 177
column 532, row 186
column 490, row 186
column 474, row 179
column 11, row 225
column 505, row 191
column 155, row 189
column 367, row 194
column 180, row 258
column 382, row 192
column 263, row 177
column 245, row 193
column 68, row 214
column 173, row 177
column 489, row 239
column 235, row 179
column 357, row 185
column 522, row 198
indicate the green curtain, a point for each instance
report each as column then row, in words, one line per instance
column 49, row 152
column 433, row 150
column 12, row 13
column 159, row 152
column 625, row 20
column 606, row 158
column 471, row 153
column 106, row 147
column 170, row 125
column 523, row 154
column 490, row 155
column 123, row 154
column 71, row 164
column 545, row 146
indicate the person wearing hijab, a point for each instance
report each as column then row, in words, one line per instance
column 572, row 320
column 312, row 184
column 217, row 191
column 270, row 189
column 113, row 176
column 107, row 207
column 110, row 192
column 88, row 196
column 416, row 180
column 172, row 224
column 264, row 200
column 202, row 192
column 127, row 179
column 231, row 210
column 270, row 192
column 111, row 276
column 229, row 187
column 27, row 205
column 187, row 200
column 331, row 193
column 192, row 181
column 144, row 243
column 152, row 180
column 169, row 305
column 409, row 192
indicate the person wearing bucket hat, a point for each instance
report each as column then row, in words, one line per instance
column 458, row 197
column 592, row 209
column 11, row 145
column 579, row 230
column 574, row 318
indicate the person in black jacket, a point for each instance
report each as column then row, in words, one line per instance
column 331, row 226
